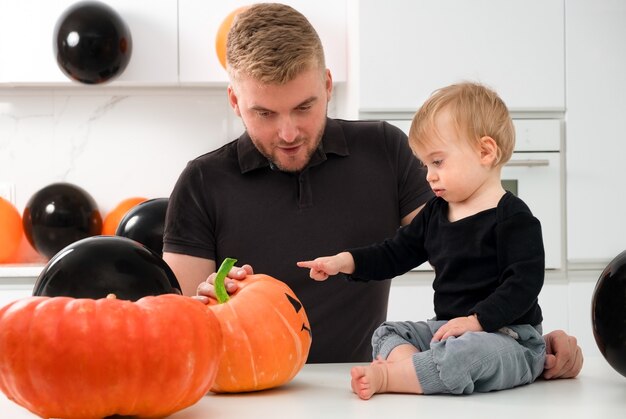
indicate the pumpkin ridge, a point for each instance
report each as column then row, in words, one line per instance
column 193, row 381
column 161, row 390
column 128, row 334
column 78, row 322
column 5, row 377
column 189, row 336
column 250, row 349
column 44, row 313
column 184, row 328
column 297, row 343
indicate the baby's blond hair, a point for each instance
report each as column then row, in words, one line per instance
column 476, row 111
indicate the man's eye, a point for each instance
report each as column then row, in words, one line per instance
column 304, row 108
column 264, row 114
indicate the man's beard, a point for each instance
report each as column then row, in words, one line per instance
column 274, row 163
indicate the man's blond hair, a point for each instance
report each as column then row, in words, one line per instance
column 272, row 43
column 476, row 111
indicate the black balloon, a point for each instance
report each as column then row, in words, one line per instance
column 92, row 43
column 60, row 214
column 608, row 313
column 98, row 266
column 145, row 223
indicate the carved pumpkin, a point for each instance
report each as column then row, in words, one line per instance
column 266, row 335
column 86, row 358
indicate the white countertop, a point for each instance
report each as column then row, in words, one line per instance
column 323, row 390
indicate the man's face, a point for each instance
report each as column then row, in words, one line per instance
column 285, row 122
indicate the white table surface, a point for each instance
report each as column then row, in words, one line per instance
column 323, row 391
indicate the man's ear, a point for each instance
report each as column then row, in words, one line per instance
column 329, row 85
column 233, row 100
column 489, row 151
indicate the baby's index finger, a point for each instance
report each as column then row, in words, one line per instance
column 305, row 264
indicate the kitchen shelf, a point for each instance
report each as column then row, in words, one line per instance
column 26, row 270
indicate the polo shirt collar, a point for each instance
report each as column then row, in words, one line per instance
column 333, row 142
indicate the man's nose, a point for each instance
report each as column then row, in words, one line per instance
column 288, row 130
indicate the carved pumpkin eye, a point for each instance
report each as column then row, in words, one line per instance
column 297, row 306
column 295, row 303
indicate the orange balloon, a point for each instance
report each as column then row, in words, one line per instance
column 222, row 34
column 112, row 220
column 11, row 230
column 26, row 253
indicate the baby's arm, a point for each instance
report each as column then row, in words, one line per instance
column 323, row 267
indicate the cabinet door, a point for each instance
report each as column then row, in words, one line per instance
column 408, row 48
column 199, row 22
column 26, row 39
column 596, row 105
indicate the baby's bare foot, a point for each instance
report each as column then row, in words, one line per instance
column 368, row 380
column 383, row 376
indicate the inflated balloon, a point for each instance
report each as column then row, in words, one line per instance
column 222, row 34
column 92, row 43
column 608, row 313
column 113, row 218
column 26, row 253
column 58, row 215
column 98, row 266
column 145, row 223
column 10, row 230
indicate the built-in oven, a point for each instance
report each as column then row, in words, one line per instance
column 535, row 174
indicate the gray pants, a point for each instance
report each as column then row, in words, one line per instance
column 474, row 361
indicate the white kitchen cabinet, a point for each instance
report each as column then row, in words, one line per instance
column 199, row 23
column 26, row 42
column 408, row 48
column 596, row 106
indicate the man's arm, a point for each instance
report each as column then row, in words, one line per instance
column 190, row 271
column 409, row 217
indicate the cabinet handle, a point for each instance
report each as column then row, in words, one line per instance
column 528, row 163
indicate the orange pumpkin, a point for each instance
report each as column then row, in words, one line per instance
column 266, row 336
column 85, row 358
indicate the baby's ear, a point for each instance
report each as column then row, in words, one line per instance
column 489, row 151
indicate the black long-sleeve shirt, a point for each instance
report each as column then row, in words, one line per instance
column 491, row 263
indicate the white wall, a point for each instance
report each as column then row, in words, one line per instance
column 114, row 144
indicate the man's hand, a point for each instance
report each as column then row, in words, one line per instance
column 206, row 290
column 564, row 358
column 458, row 326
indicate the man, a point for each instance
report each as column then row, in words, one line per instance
column 297, row 184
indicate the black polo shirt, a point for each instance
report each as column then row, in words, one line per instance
column 358, row 185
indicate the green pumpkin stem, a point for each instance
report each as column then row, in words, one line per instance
column 222, row 272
